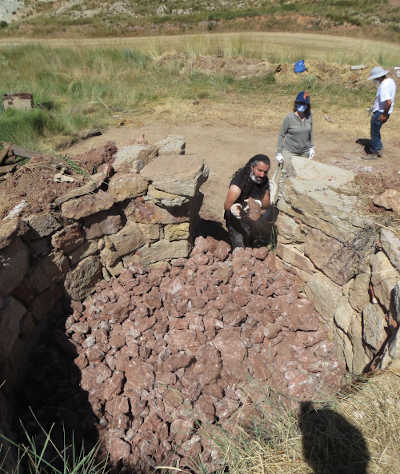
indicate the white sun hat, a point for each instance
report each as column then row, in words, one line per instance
column 377, row 72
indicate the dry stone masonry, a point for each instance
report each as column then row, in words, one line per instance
column 169, row 343
column 95, row 231
column 350, row 264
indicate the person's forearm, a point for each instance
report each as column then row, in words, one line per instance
column 388, row 103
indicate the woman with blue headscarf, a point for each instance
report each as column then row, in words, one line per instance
column 296, row 138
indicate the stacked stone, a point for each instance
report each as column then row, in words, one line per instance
column 167, row 351
column 350, row 265
column 128, row 211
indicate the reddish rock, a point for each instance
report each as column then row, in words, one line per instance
column 139, row 375
column 161, row 348
column 114, row 385
column 69, row 238
column 181, row 430
column 118, row 449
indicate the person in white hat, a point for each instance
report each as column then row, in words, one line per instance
column 381, row 110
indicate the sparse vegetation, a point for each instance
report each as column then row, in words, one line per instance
column 359, row 429
column 377, row 18
column 74, row 89
column 42, row 455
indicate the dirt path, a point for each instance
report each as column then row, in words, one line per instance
column 226, row 147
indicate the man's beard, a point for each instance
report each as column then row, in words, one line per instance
column 256, row 179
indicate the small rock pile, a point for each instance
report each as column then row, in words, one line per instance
column 166, row 351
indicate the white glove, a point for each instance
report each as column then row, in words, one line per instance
column 311, row 153
column 236, row 210
column 258, row 202
column 279, row 157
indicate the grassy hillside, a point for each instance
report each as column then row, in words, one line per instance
column 375, row 18
column 74, row 88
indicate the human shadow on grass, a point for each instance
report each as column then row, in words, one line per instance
column 331, row 445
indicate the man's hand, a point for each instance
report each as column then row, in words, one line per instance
column 279, row 158
column 311, row 153
column 236, row 210
column 383, row 118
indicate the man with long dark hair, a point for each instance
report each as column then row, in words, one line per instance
column 249, row 183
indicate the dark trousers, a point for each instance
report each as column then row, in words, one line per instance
column 376, row 125
column 246, row 233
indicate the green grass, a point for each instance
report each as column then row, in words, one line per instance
column 76, row 89
column 42, row 455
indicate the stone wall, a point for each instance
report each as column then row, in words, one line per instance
column 350, row 264
column 139, row 209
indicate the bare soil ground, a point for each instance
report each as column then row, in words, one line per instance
column 226, row 146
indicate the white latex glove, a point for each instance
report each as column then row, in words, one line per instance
column 236, row 209
column 311, row 153
column 279, row 157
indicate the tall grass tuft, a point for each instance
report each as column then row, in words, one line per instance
column 42, row 455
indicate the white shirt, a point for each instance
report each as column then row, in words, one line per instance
column 386, row 91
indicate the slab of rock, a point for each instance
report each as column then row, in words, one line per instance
column 14, row 264
column 87, row 249
column 360, row 357
column 176, row 175
column 42, row 225
column 102, row 223
column 133, row 158
column 374, row 323
column 166, row 199
column 290, row 254
column 326, row 296
column 164, row 251
column 124, row 242
column 11, row 315
column 69, row 238
column 81, row 281
column 394, row 346
column 127, row 186
column 8, row 230
column 146, row 212
column 343, row 316
column 95, row 181
column 359, row 291
column 87, row 205
column 391, row 247
column 324, row 192
column 383, row 278
column 389, row 199
column 177, row 231
column 290, row 232
column 339, row 261
column 395, row 302
column 173, row 144
column 150, row 232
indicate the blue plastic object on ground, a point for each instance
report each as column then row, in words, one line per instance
column 299, row 66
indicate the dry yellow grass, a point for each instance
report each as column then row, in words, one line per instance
column 371, row 410
column 335, row 49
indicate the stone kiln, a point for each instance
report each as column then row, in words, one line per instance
column 165, row 349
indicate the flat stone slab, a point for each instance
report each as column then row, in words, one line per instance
column 176, row 174
column 321, row 196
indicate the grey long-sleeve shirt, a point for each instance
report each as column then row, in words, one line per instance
column 296, row 134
